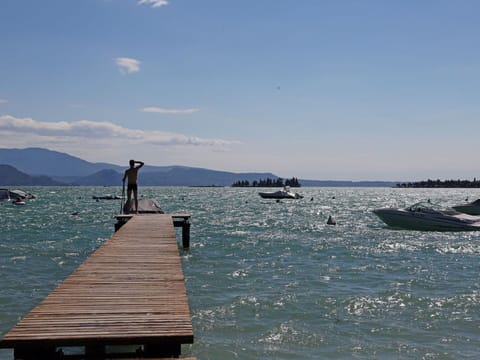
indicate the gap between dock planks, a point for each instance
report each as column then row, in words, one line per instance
column 131, row 290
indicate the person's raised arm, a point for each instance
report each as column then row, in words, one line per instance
column 141, row 163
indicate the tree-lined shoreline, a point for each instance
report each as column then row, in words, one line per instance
column 441, row 184
column 278, row 182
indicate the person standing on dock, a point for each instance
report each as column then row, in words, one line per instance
column 132, row 174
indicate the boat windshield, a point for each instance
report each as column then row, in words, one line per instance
column 427, row 206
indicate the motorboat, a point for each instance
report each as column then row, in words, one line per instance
column 7, row 195
column 427, row 217
column 106, row 197
column 15, row 194
column 471, row 208
column 285, row 193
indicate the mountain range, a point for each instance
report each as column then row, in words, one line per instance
column 43, row 167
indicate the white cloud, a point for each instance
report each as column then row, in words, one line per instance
column 3, row 101
column 37, row 133
column 108, row 142
column 154, row 3
column 128, row 65
column 168, row 111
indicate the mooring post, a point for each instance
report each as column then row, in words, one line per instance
column 162, row 350
column 186, row 234
column 181, row 220
column 95, row 351
column 33, row 352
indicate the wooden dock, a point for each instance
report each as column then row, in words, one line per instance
column 129, row 292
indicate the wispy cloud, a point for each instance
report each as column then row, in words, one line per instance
column 85, row 131
column 153, row 3
column 168, row 111
column 3, row 101
column 128, row 65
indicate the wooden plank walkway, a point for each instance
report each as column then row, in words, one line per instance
column 130, row 291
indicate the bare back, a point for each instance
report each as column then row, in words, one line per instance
column 131, row 174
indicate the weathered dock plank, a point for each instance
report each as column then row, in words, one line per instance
column 130, row 291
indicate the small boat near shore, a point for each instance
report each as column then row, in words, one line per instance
column 285, row 193
column 106, row 197
column 17, row 197
column 425, row 217
column 16, row 194
column 471, row 208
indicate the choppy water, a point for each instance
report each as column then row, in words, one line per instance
column 271, row 280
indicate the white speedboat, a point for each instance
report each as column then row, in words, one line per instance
column 285, row 193
column 423, row 216
column 471, row 208
column 15, row 194
column 7, row 195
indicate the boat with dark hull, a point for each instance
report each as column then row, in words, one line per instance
column 106, row 197
column 423, row 216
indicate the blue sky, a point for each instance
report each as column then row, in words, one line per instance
column 347, row 90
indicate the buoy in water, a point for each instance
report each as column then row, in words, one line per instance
column 331, row 221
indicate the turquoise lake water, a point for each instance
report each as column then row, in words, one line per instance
column 270, row 280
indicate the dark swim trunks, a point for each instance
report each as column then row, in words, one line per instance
column 132, row 187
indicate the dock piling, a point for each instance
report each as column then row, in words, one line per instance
column 186, row 234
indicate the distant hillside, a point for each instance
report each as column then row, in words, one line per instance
column 100, row 178
column 38, row 161
column 9, row 176
column 176, row 176
column 70, row 170
column 183, row 176
column 59, row 168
